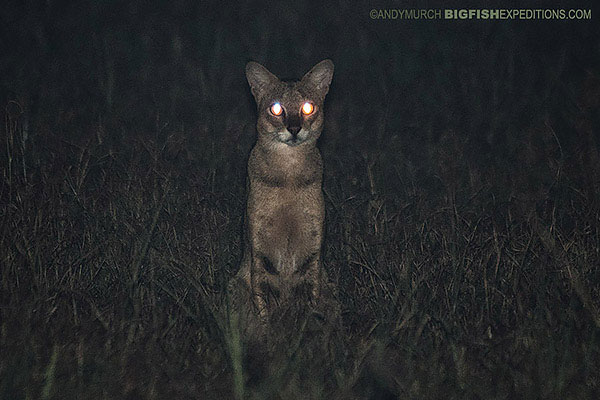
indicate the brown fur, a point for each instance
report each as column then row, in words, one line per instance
column 285, row 210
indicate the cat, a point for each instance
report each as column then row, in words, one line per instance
column 284, row 224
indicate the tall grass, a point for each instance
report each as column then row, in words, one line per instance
column 461, row 181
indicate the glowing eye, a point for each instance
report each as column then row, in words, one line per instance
column 276, row 109
column 307, row 108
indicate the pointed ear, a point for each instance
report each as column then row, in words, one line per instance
column 260, row 79
column 319, row 77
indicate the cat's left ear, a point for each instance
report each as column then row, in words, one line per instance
column 319, row 77
column 260, row 79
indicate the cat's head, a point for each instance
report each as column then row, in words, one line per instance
column 290, row 112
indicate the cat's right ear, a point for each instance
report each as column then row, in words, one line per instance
column 260, row 79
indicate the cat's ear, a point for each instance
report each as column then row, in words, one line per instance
column 260, row 79
column 319, row 77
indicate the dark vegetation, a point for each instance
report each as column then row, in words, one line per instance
column 462, row 174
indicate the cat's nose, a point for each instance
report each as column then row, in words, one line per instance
column 294, row 130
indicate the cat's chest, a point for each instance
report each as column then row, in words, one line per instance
column 286, row 168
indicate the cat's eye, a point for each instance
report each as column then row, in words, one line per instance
column 276, row 109
column 307, row 108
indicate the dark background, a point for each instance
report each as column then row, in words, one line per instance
column 461, row 179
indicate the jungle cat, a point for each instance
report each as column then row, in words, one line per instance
column 285, row 210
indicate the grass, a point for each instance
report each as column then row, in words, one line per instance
column 462, row 228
